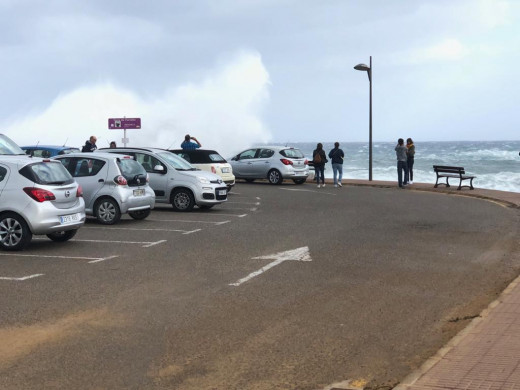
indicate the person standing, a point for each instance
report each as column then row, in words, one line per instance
column 336, row 155
column 410, row 159
column 90, row 145
column 188, row 145
column 113, row 145
column 319, row 159
column 400, row 152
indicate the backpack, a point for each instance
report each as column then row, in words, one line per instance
column 317, row 158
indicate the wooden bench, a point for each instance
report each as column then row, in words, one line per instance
column 455, row 172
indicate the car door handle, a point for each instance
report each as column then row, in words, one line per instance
column 101, row 181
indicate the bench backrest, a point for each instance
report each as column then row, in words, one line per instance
column 447, row 169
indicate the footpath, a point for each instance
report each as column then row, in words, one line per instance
column 486, row 354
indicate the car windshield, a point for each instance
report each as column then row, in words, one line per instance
column 8, row 146
column 48, row 173
column 129, row 167
column 177, row 162
column 291, row 153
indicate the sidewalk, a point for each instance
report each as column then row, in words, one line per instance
column 486, row 354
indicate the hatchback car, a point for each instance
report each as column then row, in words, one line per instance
column 37, row 196
column 46, row 151
column 176, row 181
column 209, row 160
column 274, row 163
column 112, row 185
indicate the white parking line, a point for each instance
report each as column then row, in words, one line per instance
column 182, row 220
column 193, row 231
column 22, row 278
column 318, row 191
column 241, row 208
column 230, row 215
column 147, row 243
column 60, row 257
column 253, row 203
column 160, row 230
column 103, row 259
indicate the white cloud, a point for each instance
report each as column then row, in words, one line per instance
column 223, row 112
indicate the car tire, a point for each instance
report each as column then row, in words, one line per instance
column 299, row 181
column 140, row 214
column 63, row 235
column 249, row 180
column 274, row 176
column 107, row 211
column 15, row 234
column 182, row 200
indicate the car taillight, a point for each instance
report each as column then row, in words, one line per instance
column 286, row 162
column 38, row 194
column 79, row 192
column 306, row 162
column 213, row 169
column 120, row 180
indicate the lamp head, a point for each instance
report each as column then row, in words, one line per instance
column 362, row 67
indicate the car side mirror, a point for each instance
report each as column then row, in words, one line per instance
column 158, row 168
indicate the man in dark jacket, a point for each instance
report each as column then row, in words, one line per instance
column 90, row 145
column 336, row 155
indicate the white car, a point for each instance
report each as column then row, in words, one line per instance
column 209, row 160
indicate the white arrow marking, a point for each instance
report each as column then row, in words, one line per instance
column 299, row 254
column 21, row 279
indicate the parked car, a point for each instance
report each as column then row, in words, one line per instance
column 176, row 181
column 46, row 151
column 112, row 185
column 209, row 160
column 274, row 163
column 37, row 196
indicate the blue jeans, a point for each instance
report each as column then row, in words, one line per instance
column 336, row 167
column 402, row 167
column 319, row 171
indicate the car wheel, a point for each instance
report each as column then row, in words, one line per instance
column 274, row 177
column 14, row 232
column 299, row 181
column 182, row 200
column 206, row 206
column 249, row 180
column 107, row 211
column 62, row 236
column 140, row 214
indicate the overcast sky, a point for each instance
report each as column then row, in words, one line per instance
column 235, row 73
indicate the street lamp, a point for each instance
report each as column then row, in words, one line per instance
column 368, row 69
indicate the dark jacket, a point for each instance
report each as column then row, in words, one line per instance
column 322, row 155
column 336, row 155
column 89, row 147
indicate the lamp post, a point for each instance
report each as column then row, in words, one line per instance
column 368, row 69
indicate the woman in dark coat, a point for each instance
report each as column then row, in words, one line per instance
column 319, row 158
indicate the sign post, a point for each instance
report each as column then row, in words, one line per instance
column 124, row 123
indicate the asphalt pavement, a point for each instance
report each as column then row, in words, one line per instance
column 282, row 287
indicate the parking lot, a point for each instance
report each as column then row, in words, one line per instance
column 285, row 287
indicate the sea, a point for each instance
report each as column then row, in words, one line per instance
column 496, row 164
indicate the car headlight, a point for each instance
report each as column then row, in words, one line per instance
column 203, row 180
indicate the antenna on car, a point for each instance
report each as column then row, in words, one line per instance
column 171, row 145
column 66, row 141
column 37, row 143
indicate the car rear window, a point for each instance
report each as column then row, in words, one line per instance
column 129, row 167
column 199, row 157
column 215, row 157
column 47, row 173
column 291, row 153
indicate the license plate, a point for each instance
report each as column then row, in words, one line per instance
column 222, row 192
column 225, row 170
column 139, row 192
column 64, row 219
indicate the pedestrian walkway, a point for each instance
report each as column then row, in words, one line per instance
column 486, row 354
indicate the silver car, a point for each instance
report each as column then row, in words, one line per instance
column 176, row 181
column 112, row 185
column 274, row 163
column 37, row 197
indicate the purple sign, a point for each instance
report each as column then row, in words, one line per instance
column 124, row 123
